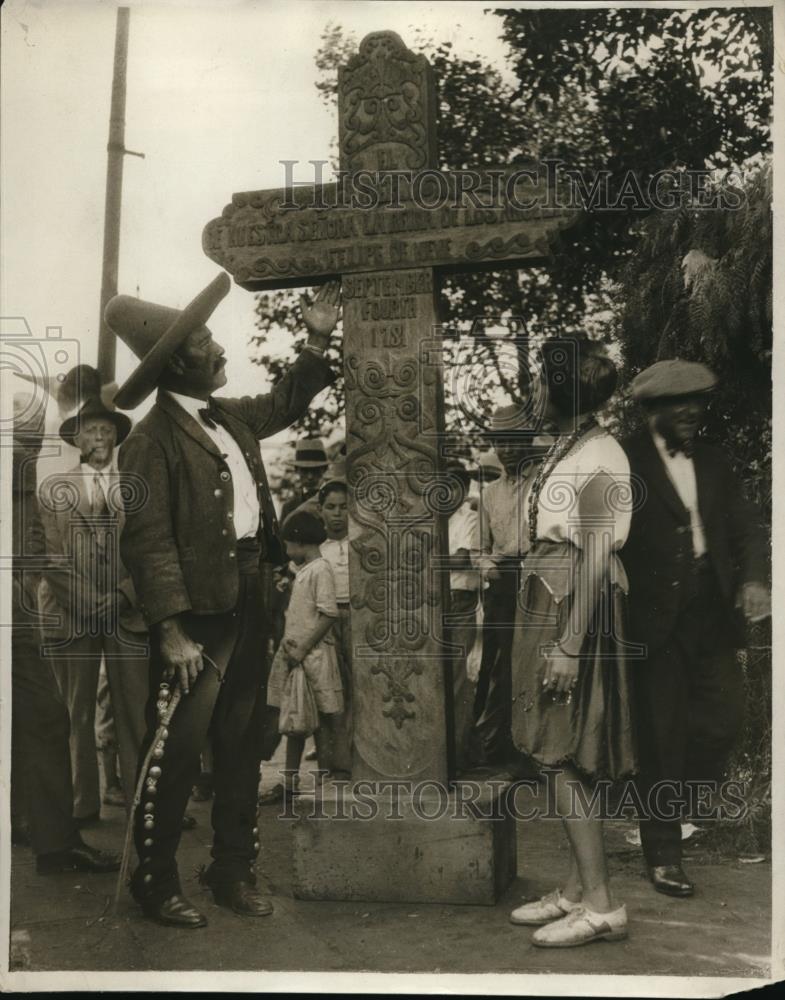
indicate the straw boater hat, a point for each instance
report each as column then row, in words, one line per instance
column 309, row 453
column 95, row 407
column 672, row 378
column 155, row 332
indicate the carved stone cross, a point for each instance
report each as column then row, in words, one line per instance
column 389, row 248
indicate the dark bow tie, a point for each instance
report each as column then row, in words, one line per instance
column 211, row 414
column 676, row 449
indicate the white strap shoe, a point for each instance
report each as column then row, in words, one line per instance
column 542, row 911
column 581, row 926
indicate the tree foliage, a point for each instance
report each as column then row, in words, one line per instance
column 630, row 91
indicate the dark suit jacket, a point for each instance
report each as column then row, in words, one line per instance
column 179, row 543
column 658, row 551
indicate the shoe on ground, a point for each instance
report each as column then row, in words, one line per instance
column 582, row 926
column 671, row 880
column 311, row 754
column 554, row 906
column 80, row 858
column 174, row 911
column 189, row 822
column 242, row 898
column 203, row 789
column 114, row 796
column 92, row 819
column 278, row 793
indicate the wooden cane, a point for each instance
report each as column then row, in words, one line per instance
column 161, row 733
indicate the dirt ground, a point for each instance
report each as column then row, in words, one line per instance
column 64, row 922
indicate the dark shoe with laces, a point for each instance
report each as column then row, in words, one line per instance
column 80, row 858
column 671, row 880
column 243, row 898
column 174, row 911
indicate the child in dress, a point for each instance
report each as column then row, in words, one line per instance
column 309, row 640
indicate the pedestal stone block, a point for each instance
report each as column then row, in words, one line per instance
column 360, row 847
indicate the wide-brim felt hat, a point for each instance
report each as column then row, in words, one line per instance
column 95, row 408
column 309, row 453
column 673, row 377
column 155, row 332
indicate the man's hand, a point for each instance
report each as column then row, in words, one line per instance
column 487, row 566
column 755, row 602
column 182, row 657
column 321, row 316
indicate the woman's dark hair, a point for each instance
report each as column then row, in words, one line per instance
column 303, row 527
column 578, row 373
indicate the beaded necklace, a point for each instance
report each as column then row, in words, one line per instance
column 558, row 450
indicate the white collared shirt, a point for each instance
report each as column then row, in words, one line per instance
column 463, row 530
column 96, row 479
column 336, row 552
column 681, row 472
column 247, row 510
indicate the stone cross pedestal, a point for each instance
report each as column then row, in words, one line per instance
column 389, row 242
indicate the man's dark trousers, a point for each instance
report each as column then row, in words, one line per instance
column 41, row 763
column 690, row 710
column 228, row 707
column 493, row 700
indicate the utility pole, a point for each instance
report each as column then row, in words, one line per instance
column 114, row 187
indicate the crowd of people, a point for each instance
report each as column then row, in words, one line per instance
column 597, row 590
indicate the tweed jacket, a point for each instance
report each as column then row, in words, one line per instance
column 179, row 541
column 71, row 588
column 658, row 552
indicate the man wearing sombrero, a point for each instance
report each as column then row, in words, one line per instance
column 87, row 599
column 194, row 548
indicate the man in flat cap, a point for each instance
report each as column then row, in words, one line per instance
column 195, row 549
column 696, row 558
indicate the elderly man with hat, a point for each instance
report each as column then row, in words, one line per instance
column 195, row 549
column 41, row 784
column 310, row 462
column 87, row 600
column 697, row 565
column 504, row 541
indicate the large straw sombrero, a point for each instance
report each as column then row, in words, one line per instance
column 155, row 332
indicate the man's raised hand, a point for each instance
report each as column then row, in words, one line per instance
column 321, row 315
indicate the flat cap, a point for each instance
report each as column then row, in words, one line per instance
column 672, row 378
